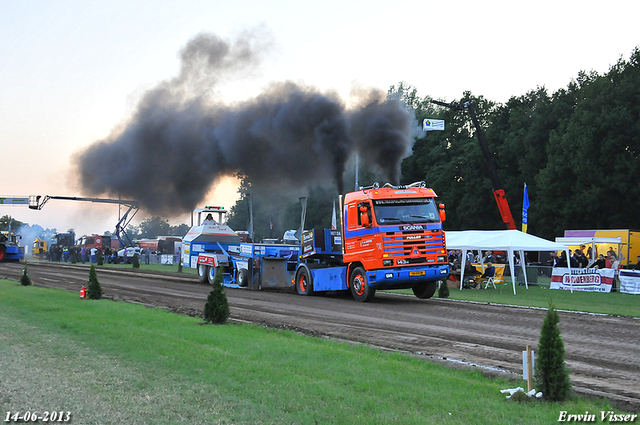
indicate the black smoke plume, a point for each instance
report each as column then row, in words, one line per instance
column 180, row 140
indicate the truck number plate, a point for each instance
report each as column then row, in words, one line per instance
column 417, row 273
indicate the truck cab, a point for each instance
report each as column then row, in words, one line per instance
column 393, row 239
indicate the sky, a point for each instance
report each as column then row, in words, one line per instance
column 71, row 72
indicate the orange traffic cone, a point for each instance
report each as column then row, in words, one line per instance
column 83, row 292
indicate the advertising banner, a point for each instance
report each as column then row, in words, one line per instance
column 630, row 281
column 595, row 280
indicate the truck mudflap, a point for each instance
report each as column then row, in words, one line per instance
column 405, row 277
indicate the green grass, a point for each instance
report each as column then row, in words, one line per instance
column 109, row 362
column 155, row 267
column 539, row 295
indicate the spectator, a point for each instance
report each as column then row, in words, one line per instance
column 562, row 261
column 553, row 259
column 489, row 257
column 470, row 274
column 615, row 264
column 599, row 263
column 83, row 255
column 94, row 252
column 578, row 259
column 636, row 266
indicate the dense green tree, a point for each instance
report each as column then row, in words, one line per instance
column 551, row 374
column 154, row 227
column 216, row 309
column 94, row 290
column 179, row 230
column 25, row 280
column 7, row 221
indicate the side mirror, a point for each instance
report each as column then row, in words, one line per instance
column 443, row 214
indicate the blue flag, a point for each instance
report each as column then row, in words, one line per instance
column 525, row 207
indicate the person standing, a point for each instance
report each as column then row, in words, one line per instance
column 83, row 254
column 94, row 252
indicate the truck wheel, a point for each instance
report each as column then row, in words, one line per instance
column 202, row 273
column 243, row 278
column 425, row 290
column 359, row 286
column 304, row 286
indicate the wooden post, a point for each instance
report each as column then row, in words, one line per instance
column 529, row 369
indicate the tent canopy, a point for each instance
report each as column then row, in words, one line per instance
column 501, row 240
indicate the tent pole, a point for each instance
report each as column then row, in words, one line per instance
column 524, row 269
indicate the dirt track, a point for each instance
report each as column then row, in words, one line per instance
column 602, row 351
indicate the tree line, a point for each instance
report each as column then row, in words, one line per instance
column 577, row 149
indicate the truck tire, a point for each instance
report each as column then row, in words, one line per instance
column 424, row 290
column 304, row 285
column 359, row 286
column 243, row 278
column 202, row 272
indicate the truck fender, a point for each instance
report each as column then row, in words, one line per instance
column 349, row 270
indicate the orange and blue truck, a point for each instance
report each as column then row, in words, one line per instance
column 389, row 237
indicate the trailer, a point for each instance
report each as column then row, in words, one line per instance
column 390, row 238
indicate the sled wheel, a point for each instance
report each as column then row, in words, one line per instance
column 211, row 274
column 202, row 273
column 243, row 278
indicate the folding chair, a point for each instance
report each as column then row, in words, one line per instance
column 490, row 281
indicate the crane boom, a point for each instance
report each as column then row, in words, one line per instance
column 498, row 191
column 37, row 202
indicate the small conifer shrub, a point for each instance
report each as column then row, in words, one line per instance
column 216, row 310
column 551, row 373
column 94, row 290
column 25, row 280
column 443, row 290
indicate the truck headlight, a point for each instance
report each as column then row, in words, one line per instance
column 442, row 259
column 387, row 263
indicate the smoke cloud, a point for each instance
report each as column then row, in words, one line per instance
column 180, row 140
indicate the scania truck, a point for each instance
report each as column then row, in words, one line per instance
column 390, row 237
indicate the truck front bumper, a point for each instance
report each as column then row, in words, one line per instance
column 406, row 277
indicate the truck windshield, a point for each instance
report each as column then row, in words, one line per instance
column 392, row 211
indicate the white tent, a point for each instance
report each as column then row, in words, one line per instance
column 501, row 240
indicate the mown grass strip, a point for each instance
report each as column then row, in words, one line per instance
column 127, row 361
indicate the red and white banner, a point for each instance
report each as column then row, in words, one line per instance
column 596, row 280
column 630, row 281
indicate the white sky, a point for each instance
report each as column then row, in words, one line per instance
column 70, row 71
